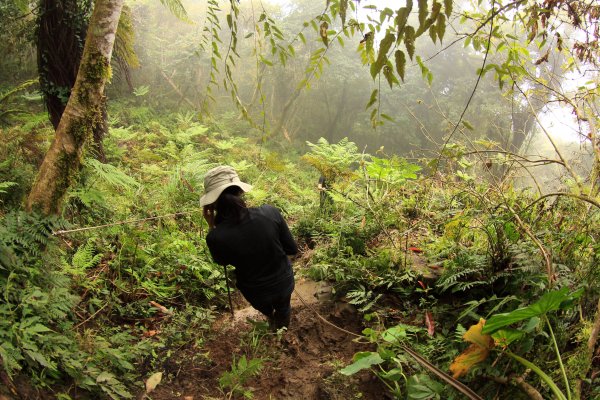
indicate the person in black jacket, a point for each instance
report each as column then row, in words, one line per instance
column 256, row 241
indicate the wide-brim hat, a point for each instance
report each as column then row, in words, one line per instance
column 218, row 179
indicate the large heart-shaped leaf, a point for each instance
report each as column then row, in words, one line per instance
column 362, row 360
column 551, row 301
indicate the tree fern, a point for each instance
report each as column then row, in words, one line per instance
column 333, row 160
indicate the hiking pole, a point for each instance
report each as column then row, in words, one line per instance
column 228, row 292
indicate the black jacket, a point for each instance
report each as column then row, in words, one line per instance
column 257, row 247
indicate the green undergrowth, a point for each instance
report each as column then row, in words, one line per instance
column 92, row 313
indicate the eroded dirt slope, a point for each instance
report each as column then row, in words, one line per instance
column 302, row 363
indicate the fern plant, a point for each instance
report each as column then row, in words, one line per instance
column 37, row 335
column 241, row 372
column 333, row 160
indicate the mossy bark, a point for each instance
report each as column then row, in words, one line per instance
column 82, row 114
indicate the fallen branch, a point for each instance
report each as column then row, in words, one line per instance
column 161, row 308
column 176, row 89
column 91, row 316
column 519, row 382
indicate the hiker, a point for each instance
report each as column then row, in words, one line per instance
column 256, row 241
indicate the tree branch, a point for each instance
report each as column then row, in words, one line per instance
column 519, row 382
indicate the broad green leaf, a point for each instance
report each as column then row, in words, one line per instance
column 388, row 73
column 343, row 9
column 551, row 301
column 302, row 38
column 511, row 232
column 40, row 359
column 409, row 40
column 422, row 11
column 394, row 374
column 37, row 328
column 422, row 387
column 448, row 7
column 373, row 98
column 104, row 376
column 384, row 47
column 385, row 13
column 362, row 360
column 377, row 66
column 394, row 334
column 441, row 26
column 532, row 324
column 386, row 44
column 504, row 337
column 401, row 18
column 432, row 33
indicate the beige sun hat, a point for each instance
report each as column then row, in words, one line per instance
column 218, row 179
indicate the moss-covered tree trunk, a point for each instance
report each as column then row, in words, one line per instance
column 82, row 114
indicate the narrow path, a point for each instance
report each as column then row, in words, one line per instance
column 301, row 363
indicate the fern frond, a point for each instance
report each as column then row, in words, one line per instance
column 110, row 174
column 85, row 257
column 6, row 185
column 177, row 8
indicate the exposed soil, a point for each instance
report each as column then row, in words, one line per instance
column 302, row 363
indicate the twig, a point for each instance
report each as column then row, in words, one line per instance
column 479, row 76
column 581, row 197
column 91, row 316
column 553, row 143
column 538, row 243
column 131, row 221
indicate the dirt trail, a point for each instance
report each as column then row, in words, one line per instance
column 302, row 363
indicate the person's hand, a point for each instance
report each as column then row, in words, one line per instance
column 209, row 215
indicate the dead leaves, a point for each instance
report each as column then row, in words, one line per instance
column 153, row 381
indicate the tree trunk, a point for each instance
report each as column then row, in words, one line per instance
column 62, row 25
column 82, row 114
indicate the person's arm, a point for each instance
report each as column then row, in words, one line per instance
column 216, row 251
column 285, row 237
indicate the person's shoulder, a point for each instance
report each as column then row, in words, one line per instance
column 269, row 210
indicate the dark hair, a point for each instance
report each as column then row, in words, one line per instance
column 230, row 205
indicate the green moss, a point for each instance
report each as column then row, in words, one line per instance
column 98, row 68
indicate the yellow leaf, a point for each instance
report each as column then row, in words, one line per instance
column 475, row 353
column 474, row 335
column 465, row 361
column 153, row 381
